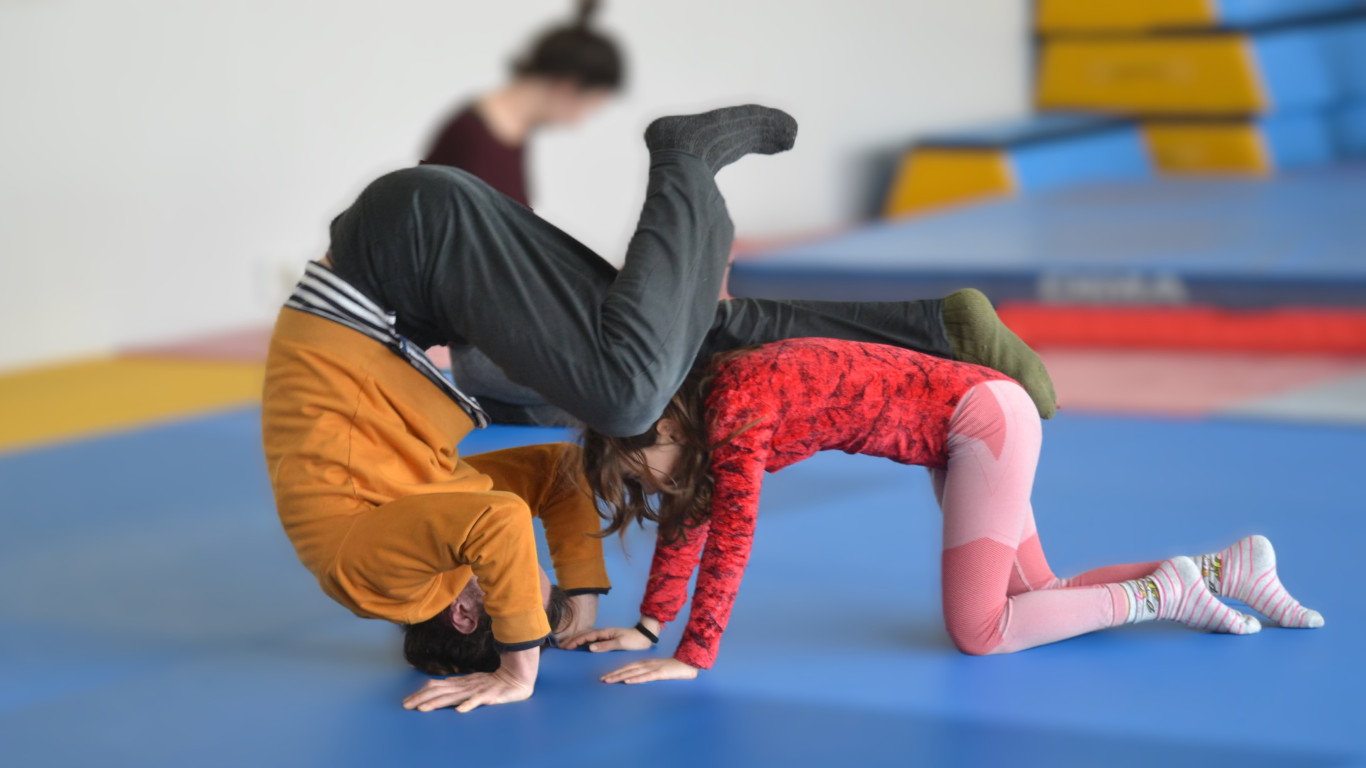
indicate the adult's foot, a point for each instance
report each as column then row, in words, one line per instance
column 978, row 336
column 722, row 136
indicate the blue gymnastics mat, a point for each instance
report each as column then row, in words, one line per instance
column 1292, row 239
column 152, row 613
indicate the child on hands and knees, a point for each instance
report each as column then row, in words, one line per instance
column 698, row 471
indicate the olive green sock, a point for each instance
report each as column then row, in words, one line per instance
column 978, row 336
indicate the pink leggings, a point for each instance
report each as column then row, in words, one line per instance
column 1000, row 596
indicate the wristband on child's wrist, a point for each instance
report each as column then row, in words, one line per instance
column 652, row 637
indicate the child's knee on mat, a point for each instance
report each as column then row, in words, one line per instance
column 975, row 634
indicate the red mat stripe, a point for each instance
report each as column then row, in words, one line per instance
column 1328, row 331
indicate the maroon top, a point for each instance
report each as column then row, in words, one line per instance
column 792, row 399
column 467, row 143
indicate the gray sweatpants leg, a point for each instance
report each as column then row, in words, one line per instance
column 738, row 323
column 914, row 325
column 461, row 264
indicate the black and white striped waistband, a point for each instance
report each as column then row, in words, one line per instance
column 321, row 292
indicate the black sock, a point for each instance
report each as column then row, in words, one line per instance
column 722, row 136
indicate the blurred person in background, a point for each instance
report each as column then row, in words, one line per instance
column 568, row 73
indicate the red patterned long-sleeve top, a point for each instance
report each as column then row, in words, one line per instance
column 801, row 396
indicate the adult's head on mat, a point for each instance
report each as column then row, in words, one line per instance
column 570, row 71
column 460, row 638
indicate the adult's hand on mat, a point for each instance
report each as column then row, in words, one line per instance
column 609, row 639
column 649, row 670
column 584, row 610
column 514, row 680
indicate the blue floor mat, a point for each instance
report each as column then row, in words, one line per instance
column 152, row 613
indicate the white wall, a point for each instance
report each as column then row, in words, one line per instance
column 166, row 166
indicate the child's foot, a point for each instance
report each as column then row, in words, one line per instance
column 1246, row 571
column 1176, row 592
column 722, row 136
column 978, row 336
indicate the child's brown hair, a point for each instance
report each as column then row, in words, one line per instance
column 684, row 504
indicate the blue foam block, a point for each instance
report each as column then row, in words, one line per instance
column 1295, row 68
column 1344, row 51
column 1349, row 130
column 1116, row 154
column 1240, row 13
column 1299, row 140
column 1051, row 150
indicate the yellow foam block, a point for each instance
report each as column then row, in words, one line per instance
column 1055, row 16
column 92, row 397
column 1213, row 74
column 934, row 177
column 1208, row 148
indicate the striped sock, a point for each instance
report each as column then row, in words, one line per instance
column 1177, row 592
column 1246, row 571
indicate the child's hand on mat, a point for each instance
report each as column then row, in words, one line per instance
column 514, row 681
column 650, row 670
column 585, row 612
column 609, row 639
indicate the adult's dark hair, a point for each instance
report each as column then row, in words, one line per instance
column 612, row 464
column 436, row 647
column 574, row 52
